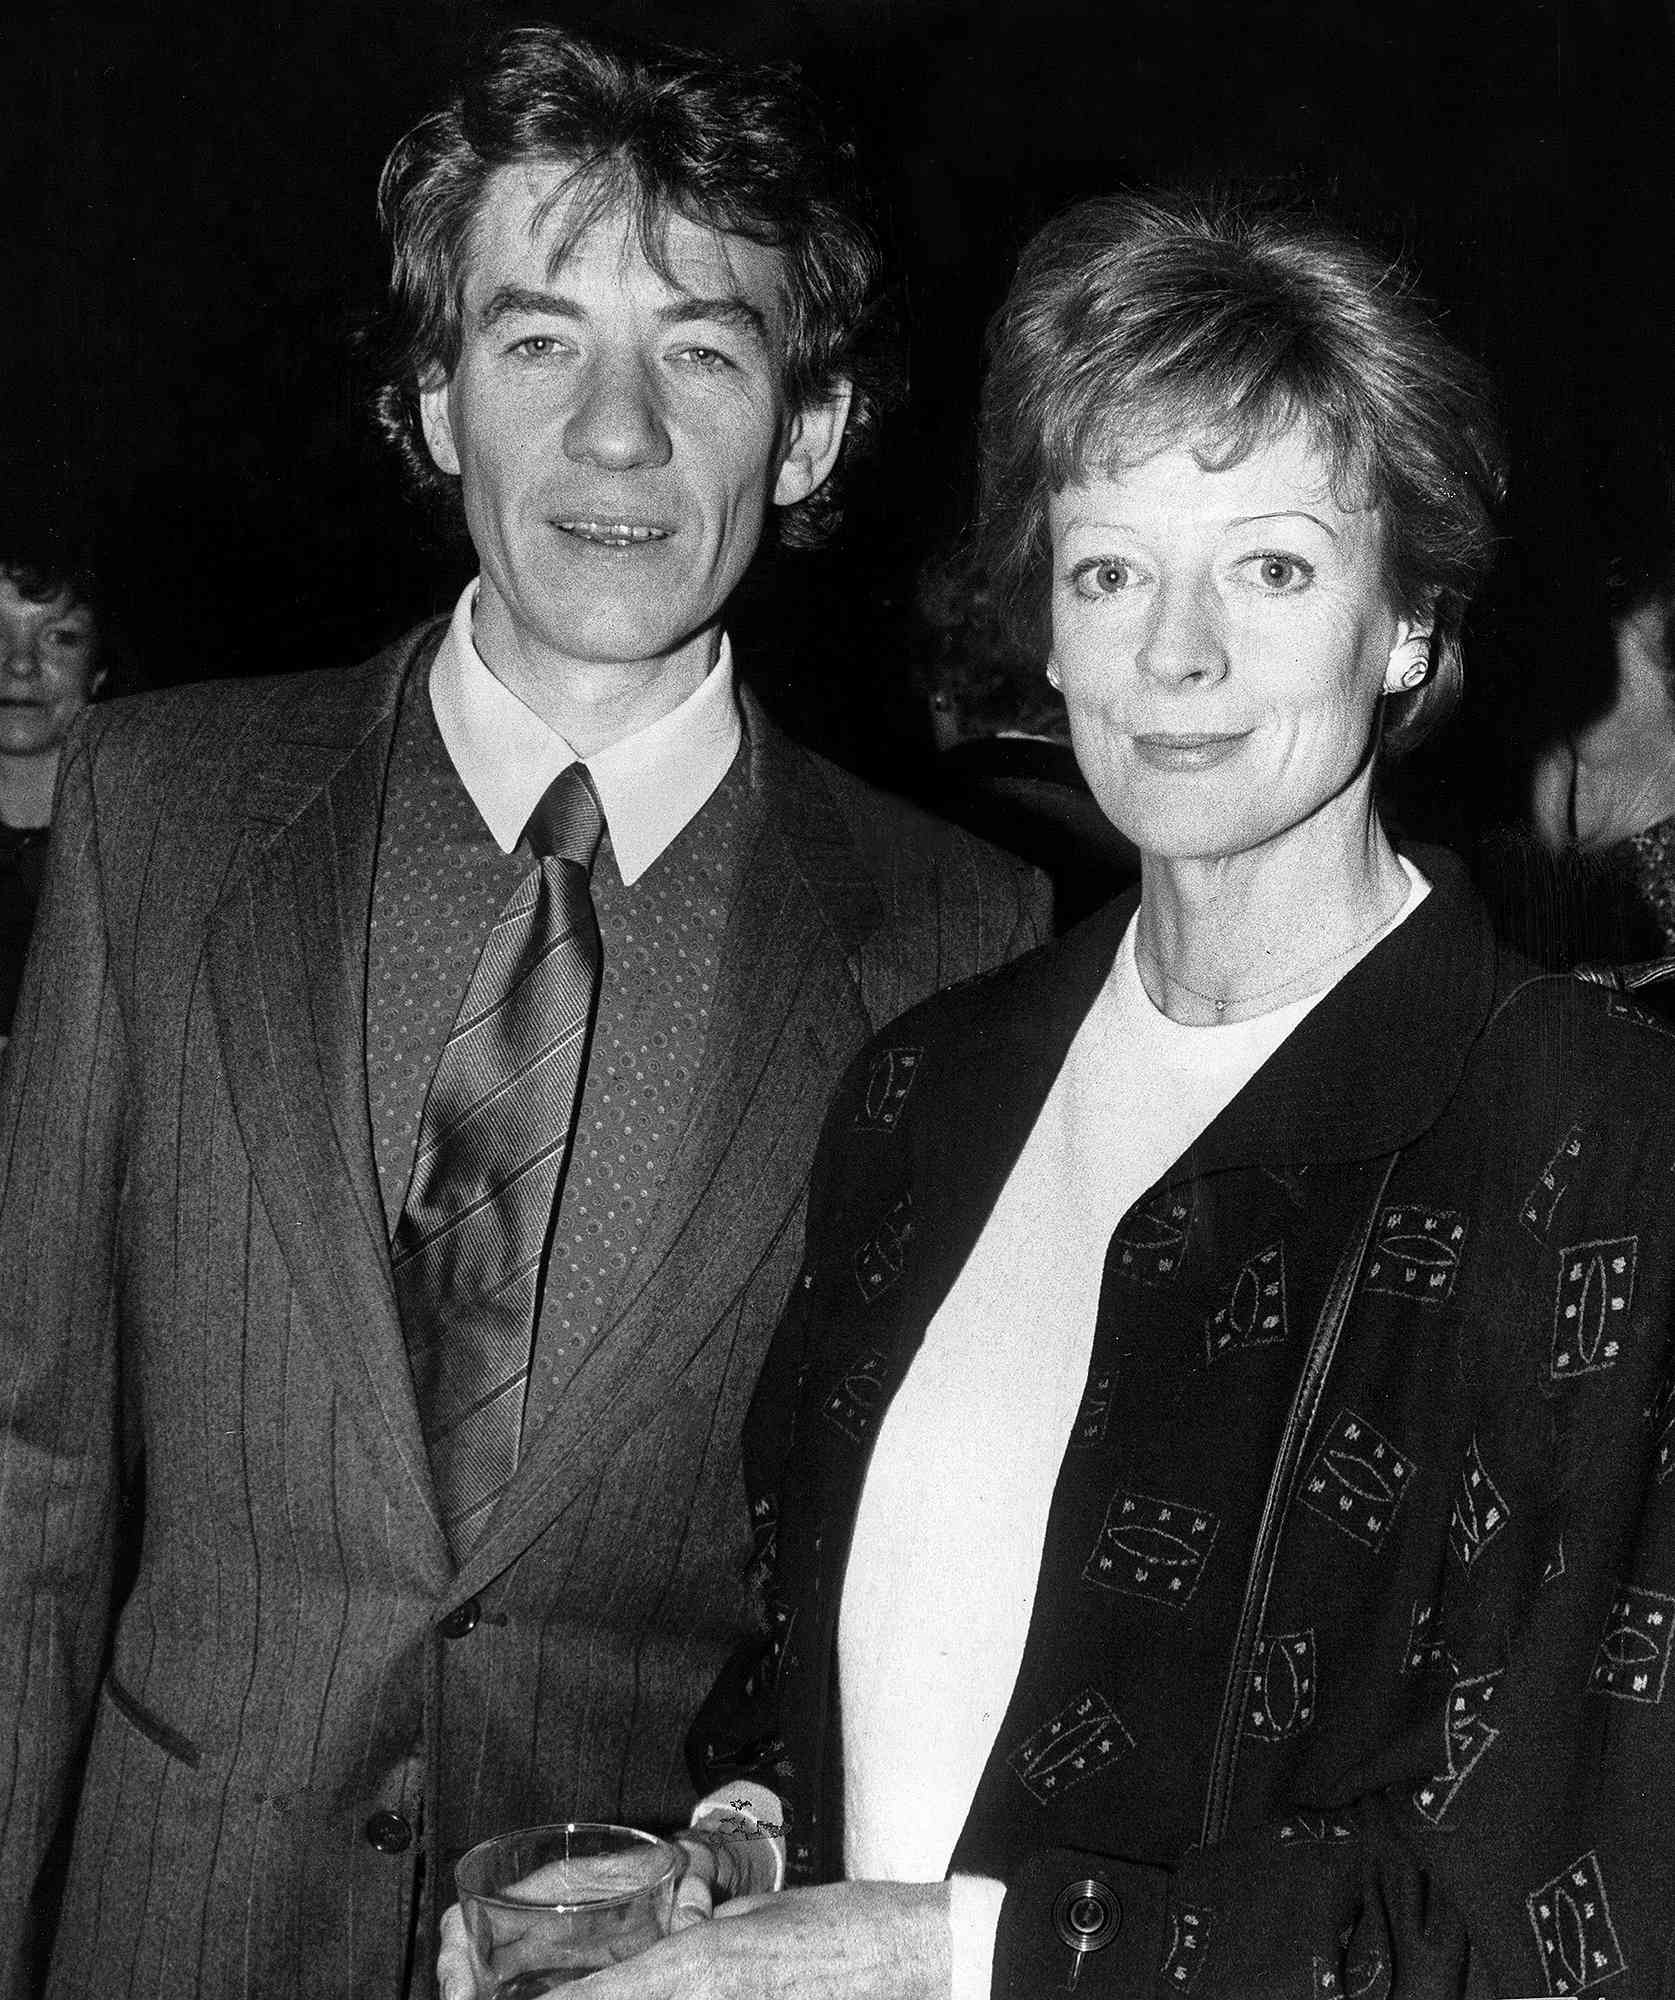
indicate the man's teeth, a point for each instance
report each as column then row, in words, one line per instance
column 613, row 531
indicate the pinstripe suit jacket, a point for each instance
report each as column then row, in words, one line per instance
column 225, row 1579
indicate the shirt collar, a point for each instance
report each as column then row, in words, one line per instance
column 650, row 784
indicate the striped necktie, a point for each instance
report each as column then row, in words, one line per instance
column 470, row 1248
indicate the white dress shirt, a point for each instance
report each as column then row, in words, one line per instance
column 650, row 784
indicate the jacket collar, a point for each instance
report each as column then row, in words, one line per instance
column 287, row 949
column 1379, row 1060
column 1367, row 1070
column 817, row 843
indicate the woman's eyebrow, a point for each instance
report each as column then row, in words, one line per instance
column 1285, row 514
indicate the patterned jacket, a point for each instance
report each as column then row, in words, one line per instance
column 1446, row 1760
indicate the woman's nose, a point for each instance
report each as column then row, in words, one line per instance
column 618, row 424
column 1184, row 640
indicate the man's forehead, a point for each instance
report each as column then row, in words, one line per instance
column 542, row 216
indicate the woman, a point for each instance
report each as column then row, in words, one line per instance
column 49, row 671
column 1215, row 1451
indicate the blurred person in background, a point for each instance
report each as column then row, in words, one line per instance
column 1004, row 766
column 51, row 666
column 1602, row 792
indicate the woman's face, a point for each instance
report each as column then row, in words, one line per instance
column 48, row 669
column 1222, row 639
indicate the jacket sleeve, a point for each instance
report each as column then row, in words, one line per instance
column 60, row 1456
column 1518, row 1837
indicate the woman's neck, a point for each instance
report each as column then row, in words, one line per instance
column 1228, row 939
column 26, row 788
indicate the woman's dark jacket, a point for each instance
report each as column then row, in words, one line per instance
column 1455, row 1760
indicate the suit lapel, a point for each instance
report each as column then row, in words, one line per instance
column 287, row 962
column 787, row 1017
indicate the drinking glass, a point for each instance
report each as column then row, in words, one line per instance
column 550, row 1904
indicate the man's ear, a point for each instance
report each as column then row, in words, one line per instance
column 812, row 438
column 438, row 423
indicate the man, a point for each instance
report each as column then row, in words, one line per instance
column 416, row 1419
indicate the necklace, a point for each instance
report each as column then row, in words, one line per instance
column 1227, row 1000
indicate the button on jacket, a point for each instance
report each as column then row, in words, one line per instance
column 1452, row 1736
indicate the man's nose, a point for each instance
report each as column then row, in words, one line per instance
column 1185, row 639
column 619, row 423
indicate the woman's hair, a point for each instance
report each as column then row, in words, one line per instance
column 652, row 133
column 1139, row 321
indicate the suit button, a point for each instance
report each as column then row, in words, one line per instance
column 389, row 1833
column 1087, row 1915
column 461, row 1620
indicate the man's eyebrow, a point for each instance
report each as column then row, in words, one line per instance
column 507, row 301
column 728, row 310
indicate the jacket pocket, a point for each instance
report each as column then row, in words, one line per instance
column 151, row 1726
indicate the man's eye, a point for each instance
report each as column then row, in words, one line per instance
column 1283, row 574
column 535, row 346
column 710, row 360
column 69, row 635
column 1101, row 576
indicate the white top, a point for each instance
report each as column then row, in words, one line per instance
column 947, row 1547
column 650, row 784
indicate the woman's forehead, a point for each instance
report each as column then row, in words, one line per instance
column 1200, row 475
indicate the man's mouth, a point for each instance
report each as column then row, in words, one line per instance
column 612, row 534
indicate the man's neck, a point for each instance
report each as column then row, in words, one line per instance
column 594, row 704
column 26, row 788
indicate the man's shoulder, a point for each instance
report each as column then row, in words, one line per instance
column 899, row 838
column 228, row 726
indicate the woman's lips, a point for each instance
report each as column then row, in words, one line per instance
column 1187, row 751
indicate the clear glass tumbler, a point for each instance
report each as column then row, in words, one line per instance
column 550, row 1904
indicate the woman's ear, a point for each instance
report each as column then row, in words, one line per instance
column 1411, row 659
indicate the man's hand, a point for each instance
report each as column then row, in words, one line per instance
column 853, row 1941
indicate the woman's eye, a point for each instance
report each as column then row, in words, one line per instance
column 1102, row 576
column 1281, row 574
column 535, row 346
column 710, row 359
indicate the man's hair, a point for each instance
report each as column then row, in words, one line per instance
column 652, row 133
column 1139, row 322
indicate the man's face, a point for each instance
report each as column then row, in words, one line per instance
column 48, row 669
column 617, row 436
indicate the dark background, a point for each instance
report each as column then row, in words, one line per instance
column 190, row 192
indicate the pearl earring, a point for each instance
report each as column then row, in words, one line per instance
column 1416, row 672
column 1053, row 677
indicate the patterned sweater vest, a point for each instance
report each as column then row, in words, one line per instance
column 439, row 882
